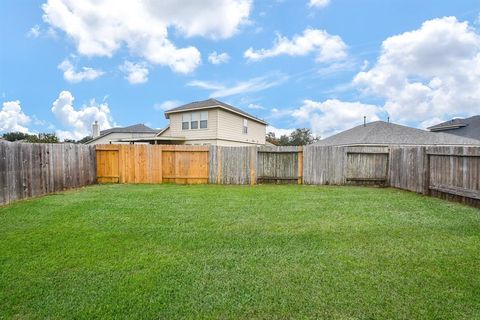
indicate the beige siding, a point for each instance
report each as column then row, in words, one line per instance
column 114, row 137
column 230, row 128
column 166, row 133
column 204, row 134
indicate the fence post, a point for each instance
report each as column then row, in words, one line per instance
column 426, row 172
column 300, row 165
column 253, row 165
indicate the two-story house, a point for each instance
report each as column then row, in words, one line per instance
column 209, row 122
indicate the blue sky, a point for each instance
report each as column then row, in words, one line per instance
column 305, row 63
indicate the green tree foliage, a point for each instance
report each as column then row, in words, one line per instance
column 15, row 136
column 32, row 138
column 299, row 137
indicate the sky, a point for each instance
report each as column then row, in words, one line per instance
column 318, row 64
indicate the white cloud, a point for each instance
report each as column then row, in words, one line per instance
column 135, row 72
column 102, row 28
column 255, row 106
column 279, row 132
column 167, row 105
column 73, row 76
column 327, row 48
column 216, row 58
column 252, row 85
column 79, row 122
column 34, row 31
column 12, row 118
column 432, row 72
column 319, row 3
column 332, row 116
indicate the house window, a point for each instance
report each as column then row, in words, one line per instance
column 185, row 121
column 245, row 126
column 194, row 121
column 204, row 120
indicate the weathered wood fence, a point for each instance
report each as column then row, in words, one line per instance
column 29, row 170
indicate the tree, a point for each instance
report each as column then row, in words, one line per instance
column 15, row 136
column 270, row 137
column 32, row 138
column 302, row 137
column 299, row 137
column 43, row 138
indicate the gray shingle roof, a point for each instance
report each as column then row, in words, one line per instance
column 211, row 103
column 383, row 133
column 468, row 127
column 136, row 128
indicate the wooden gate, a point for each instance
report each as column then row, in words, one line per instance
column 107, row 166
column 367, row 165
column 185, row 165
column 280, row 165
column 152, row 164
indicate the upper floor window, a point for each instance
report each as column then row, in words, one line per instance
column 204, row 120
column 186, row 121
column 245, row 126
column 195, row 120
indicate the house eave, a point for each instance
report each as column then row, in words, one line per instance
column 167, row 113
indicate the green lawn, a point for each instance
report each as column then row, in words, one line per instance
column 168, row 251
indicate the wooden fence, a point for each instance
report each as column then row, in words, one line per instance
column 29, row 170
column 152, row 164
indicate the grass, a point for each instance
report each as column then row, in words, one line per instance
column 168, row 251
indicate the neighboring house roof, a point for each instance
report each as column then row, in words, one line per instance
column 209, row 104
column 136, row 128
column 468, row 127
column 383, row 133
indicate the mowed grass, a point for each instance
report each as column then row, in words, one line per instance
column 168, row 251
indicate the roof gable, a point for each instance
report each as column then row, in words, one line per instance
column 209, row 104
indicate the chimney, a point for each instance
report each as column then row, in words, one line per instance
column 388, row 119
column 95, row 130
column 364, row 121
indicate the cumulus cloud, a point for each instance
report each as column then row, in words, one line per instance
column 431, row 72
column 319, row 3
column 102, row 28
column 79, row 122
column 12, row 118
column 135, row 72
column 332, row 116
column 216, row 58
column 220, row 90
column 327, row 48
column 73, row 76
column 279, row 132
